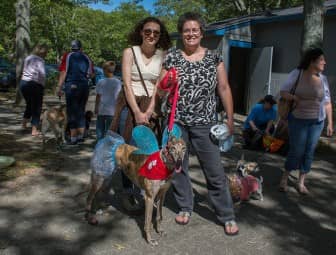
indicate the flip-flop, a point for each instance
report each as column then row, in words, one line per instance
column 184, row 215
column 230, row 224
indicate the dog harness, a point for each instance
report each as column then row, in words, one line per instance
column 154, row 168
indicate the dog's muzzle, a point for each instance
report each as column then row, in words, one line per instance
column 178, row 166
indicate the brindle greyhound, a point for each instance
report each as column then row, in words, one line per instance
column 155, row 190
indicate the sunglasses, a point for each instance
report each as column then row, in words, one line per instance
column 149, row 31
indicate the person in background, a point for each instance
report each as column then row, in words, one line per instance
column 107, row 91
column 260, row 121
column 32, row 86
column 305, row 123
column 75, row 71
column 149, row 40
column 200, row 73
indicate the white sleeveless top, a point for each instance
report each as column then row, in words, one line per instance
column 150, row 72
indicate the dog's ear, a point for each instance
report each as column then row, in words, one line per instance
column 172, row 139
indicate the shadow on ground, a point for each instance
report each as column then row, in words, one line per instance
column 42, row 199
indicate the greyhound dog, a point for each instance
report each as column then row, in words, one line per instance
column 142, row 170
column 56, row 119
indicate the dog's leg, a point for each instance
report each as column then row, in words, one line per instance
column 152, row 188
column 96, row 185
column 45, row 127
column 149, row 204
column 161, row 198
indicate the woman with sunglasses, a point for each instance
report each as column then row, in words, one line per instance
column 200, row 73
column 149, row 40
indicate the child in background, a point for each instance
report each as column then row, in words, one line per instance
column 107, row 92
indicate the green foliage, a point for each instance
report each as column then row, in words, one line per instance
column 104, row 35
column 170, row 10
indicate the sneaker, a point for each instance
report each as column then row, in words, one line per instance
column 81, row 140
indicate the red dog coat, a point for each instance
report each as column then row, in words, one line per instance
column 154, row 168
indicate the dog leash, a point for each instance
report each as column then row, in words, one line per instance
column 169, row 84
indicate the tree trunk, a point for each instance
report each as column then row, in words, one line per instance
column 22, row 41
column 313, row 24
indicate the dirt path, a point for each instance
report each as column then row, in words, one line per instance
column 43, row 195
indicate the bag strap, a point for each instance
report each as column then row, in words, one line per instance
column 292, row 91
column 140, row 74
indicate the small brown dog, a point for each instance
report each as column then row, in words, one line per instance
column 242, row 184
column 132, row 163
column 55, row 119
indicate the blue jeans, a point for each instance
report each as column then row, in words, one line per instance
column 102, row 125
column 33, row 94
column 127, row 183
column 303, row 138
column 76, row 96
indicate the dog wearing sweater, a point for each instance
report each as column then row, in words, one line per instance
column 149, row 169
column 243, row 185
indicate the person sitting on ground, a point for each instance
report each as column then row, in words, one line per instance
column 107, row 92
column 260, row 121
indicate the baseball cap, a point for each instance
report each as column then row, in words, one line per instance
column 76, row 45
column 270, row 99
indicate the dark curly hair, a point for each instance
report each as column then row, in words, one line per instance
column 309, row 56
column 135, row 38
column 190, row 16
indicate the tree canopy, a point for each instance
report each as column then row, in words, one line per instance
column 104, row 35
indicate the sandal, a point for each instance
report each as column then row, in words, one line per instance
column 228, row 226
column 36, row 134
column 302, row 189
column 183, row 218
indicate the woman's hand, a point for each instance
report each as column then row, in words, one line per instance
column 230, row 125
column 295, row 99
column 141, row 118
column 330, row 130
column 149, row 114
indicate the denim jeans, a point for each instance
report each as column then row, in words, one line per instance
column 76, row 95
column 127, row 183
column 102, row 125
column 303, row 138
column 209, row 158
column 33, row 94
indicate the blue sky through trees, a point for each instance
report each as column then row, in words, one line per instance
column 148, row 5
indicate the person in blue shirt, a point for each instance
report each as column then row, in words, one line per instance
column 75, row 71
column 260, row 121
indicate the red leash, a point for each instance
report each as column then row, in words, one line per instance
column 169, row 83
